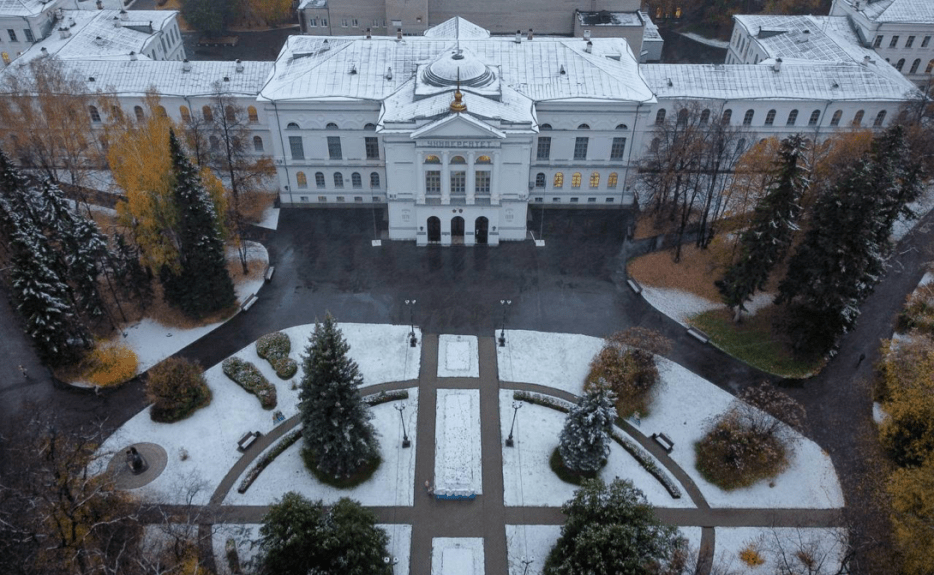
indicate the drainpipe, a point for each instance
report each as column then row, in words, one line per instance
column 285, row 163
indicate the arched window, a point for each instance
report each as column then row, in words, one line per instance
column 576, row 180
column 858, row 118
column 929, row 67
column 653, row 147
column 338, row 180
column 595, row 180
column 835, row 119
column 900, row 64
column 740, row 146
column 292, row 126
column 747, row 119
column 611, row 181
column 95, row 115
column 683, row 117
column 207, row 113
column 458, row 160
column 880, row 117
column 559, row 180
column 215, row 143
column 139, row 113
column 301, row 179
column 622, row 127
column 548, row 126
column 727, row 116
column 355, row 180
column 374, row 180
column 770, row 118
column 484, row 160
column 319, row 179
column 117, row 113
column 660, row 117
column 257, row 144
column 583, row 127
column 331, row 126
column 705, row 117
column 540, row 180
column 230, row 114
column 252, row 115
column 186, row 115
column 432, row 160
column 792, row 118
column 914, row 66
column 370, row 127
column 815, row 118
column 161, row 111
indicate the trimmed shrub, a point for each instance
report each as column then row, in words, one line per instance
column 273, row 345
column 361, row 475
column 110, row 364
column 385, row 397
column 268, row 458
column 566, row 474
column 627, row 364
column 177, row 388
column 285, row 367
column 247, row 376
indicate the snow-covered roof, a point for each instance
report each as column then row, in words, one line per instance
column 312, row 4
column 605, row 18
column 825, row 39
column 457, row 27
column 650, row 32
column 24, row 7
column 794, row 81
column 512, row 107
column 904, row 11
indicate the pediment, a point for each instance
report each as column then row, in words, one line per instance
column 459, row 126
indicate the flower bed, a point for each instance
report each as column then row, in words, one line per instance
column 268, row 458
column 247, row 376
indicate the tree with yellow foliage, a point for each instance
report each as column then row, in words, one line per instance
column 906, row 379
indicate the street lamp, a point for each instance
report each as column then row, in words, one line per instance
column 411, row 305
column 516, row 405
column 400, row 407
column 390, row 560
column 502, row 335
column 527, row 561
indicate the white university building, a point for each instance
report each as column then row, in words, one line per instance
column 456, row 133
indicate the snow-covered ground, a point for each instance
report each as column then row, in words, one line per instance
column 780, row 547
column 458, row 356
column 457, row 556
column 528, row 480
column 457, row 443
column 921, row 207
column 529, row 543
column 693, row 536
column 247, row 539
column 270, row 219
column 559, row 360
column 393, row 484
column 681, row 305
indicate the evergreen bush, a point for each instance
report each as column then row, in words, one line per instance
column 585, row 439
column 247, row 376
column 176, row 388
column 273, row 346
column 285, row 367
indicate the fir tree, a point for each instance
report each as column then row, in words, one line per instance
column 130, row 274
column 338, row 437
column 203, row 284
column 765, row 243
column 585, row 439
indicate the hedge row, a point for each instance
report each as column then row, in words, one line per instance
column 247, row 376
column 385, row 397
column 268, row 458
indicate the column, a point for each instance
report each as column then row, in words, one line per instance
column 495, row 194
column 420, row 189
column 445, row 178
column 471, row 178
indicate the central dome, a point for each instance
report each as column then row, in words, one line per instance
column 445, row 70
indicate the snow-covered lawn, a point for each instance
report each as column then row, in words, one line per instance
column 681, row 305
column 527, row 477
column 921, row 207
column 457, row 442
column 530, row 543
column 559, row 360
column 457, row 556
column 825, row 546
column 693, row 536
column 457, row 356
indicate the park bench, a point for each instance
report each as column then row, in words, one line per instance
column 269, row 271
column 664, row 441
column 249, row 302
column 247, row 440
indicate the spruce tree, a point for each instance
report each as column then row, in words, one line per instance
column 585, row 439
column 132, row 277
column 338, row 437
column 767, row 240
column 203, row 285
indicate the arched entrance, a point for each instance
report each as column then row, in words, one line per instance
column 482, row 226
column 434, row 229
column 457, row 230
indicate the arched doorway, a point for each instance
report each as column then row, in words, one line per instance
column 434, row 229
column 457, row 230
column 482, row 226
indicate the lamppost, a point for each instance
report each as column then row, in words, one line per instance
column 516, row 407
column 400, row 407
column 527, row 561
column 502, row 335
column 411, row 305
column 390, row 560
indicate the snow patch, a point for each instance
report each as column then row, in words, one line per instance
column 677, row 304
column 270, row 219
column 713, row 43
column 878, row 413
column 558, row 360
column 825, row 546
column 532, row 544
column 457, row 443
column 458, row 356
column 457, row 556
column 921, row 207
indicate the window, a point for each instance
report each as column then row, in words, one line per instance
column 340, row 199
column 319, row 179
column 433, row 181
column 617, row 148
column 257, row 144
column 594, row 180
column 458, row 160
column 660, row 117
column 727, row 116
column 878, row 42
column 609, row 200
column 186, row 115
column 792, row 118
column 95, row 115
column 653, row 147
column 930, row 67
column 322, row 199
column 544, row 148
column 909, row 41
column 815, row 118
column 591, row 200
column 301, row 179
column 252, row 115
column 484, row 160
column 334, row 147
column 575, row 200
column 458, row 182
column 622, row 127
column 215, row 143
column 139, row 113
column 358, row 198
column 559, row 180
column 580, row 148
column 12, row 34
column 556, row 200
column 324, row 22
column 354, row 23
column 29, row 36
column 576, row 180
column 880, row 117
column 374, row 180
column 376, row 199
column 331, row 126
column 900, row 64
column 740, row 146
column 369, row 127
column 583, row 127
column 117, row 113
column 925, row 41
column 313, row 22
column 432, row 160
column 546, row 126
column 611, row 181
column 372, row 147
column 858, row 118
column 355, row 180
column 683, row 117
column 770, row 118
column 295, row 145
column 914, row 66
column 338, row 180
column 161, row 111
column 344, row 22
column 539, row 180
column 705, row 117
column 482, row 182
column 894, row 42
column 207, row 113
column 747, row 119
column 290, row 126
column 835, row 120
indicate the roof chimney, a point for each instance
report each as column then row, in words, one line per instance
column 124, row 15
column 45, row 51
column 398, row 34
column 389, row 73
column 530, row 34
column 64, row 32
column 561, row 70
column 133, row 57
column 368, row 35
column 586, row 34
column 353, row 69
column 589, row 47
column 777, row 66
column 239, row 66
column 100, row 5
column 186, row 65
column 71, row 22
column 867, row 59
column 518, row 36
column 857, row 5
column 117, row 23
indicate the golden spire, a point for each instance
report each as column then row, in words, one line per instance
column 458, row 104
